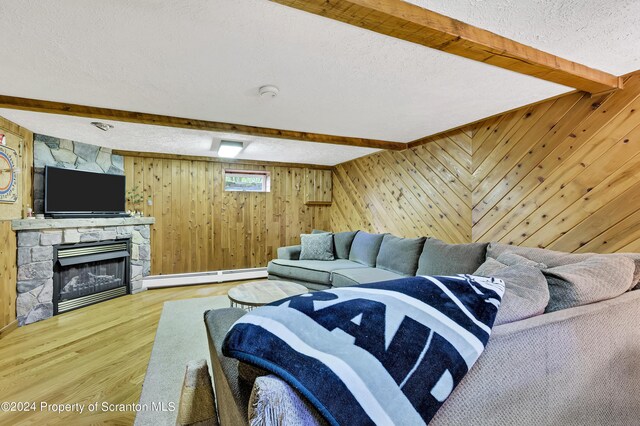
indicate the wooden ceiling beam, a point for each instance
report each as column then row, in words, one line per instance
column 415, row 24
column 220, row 160
column 51, row 107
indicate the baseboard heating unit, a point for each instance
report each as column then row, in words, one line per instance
column 198, row 278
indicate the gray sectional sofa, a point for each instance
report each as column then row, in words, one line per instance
column 565, row 348
column 360, row 257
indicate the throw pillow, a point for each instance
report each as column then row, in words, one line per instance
column 489, row 267
column 400, row 255
column 316, row 247
column 596, row 278
column 440, row 258
column 274, row 402
column 553, row 258
column 526, row 291
column 342, row 243
column 365, row 248
column 510, row 258
column 636, row 275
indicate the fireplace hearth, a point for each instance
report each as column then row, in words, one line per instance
column 89, row 273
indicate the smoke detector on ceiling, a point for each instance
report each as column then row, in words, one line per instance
column 102, row 126
column 268, row 91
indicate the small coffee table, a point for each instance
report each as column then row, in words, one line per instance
column 257, row 293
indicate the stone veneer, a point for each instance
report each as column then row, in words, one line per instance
column 64, row 153
column 36, row 238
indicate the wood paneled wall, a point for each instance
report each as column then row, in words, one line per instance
column 421, row 191
column 200, row 227
column 562, row 174
column 8, row 272
column 8, row 263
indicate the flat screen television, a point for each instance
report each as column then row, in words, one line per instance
column 75, row 193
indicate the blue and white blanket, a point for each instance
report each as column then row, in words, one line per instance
column 383, row 353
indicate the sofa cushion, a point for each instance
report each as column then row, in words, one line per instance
column 347, row 277
column 509, row 258
column 316, row 246
column 317, row 271
column 400, row 255
column 365, row 248
column 342, row 243
column 440, row 258
column 596, row 278
column 526, row 290
column 553, row 258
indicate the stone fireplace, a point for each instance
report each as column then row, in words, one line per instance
column 64, row 264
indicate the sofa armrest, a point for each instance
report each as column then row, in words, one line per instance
column 289, row 252
column 573, row 366
column 231, row 392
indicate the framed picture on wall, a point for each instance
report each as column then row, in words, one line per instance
column 8, row 174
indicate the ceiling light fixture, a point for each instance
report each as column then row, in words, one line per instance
column 102, row 126
column 268, row 91
column 229, row 149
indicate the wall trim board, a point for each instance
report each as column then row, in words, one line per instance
column 230, row 161
column 199, row 278
column 8, row 328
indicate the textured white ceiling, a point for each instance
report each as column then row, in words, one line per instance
column 136, row 137
column 603, row 34
column 206, row 59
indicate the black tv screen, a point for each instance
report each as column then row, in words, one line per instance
column 74, row 192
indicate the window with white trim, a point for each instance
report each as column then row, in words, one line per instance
column 247, row 181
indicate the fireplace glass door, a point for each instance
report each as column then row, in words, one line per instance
column 89, row 273
column 91, row 277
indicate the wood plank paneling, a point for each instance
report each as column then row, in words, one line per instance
column 200, row 227
column 569, row 182
column 561, row 174
column 8, row 261
column 317, row 186
column 422, row 191
column 8, row 273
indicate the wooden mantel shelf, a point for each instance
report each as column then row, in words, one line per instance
column 36, row 224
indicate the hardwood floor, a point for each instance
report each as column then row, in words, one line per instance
column 94, row 354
